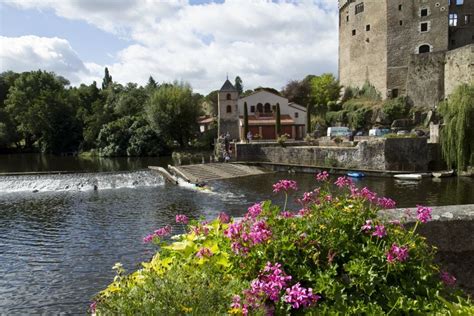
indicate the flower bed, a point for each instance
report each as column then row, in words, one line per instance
column 333, row 255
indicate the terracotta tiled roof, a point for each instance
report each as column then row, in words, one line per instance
column 205, row 119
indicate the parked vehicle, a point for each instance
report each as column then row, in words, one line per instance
column 339, row 131
column 403, row 132
column 378, row 131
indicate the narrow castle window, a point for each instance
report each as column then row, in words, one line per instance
column 453, row 19
column 353, row 32
column 399, row 7
column 347, row 18
column 229, row 109
column 394, row 93
column 367, row 27
column 467, row 19
column 424, row 49
column 296, row 114
column 228, row 96
column 401, row 22
column 424, row 27
column 424, row 12
column 359, row 8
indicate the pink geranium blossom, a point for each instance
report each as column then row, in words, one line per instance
column 447, row 278
column 386, row 203
column 183, row 219
column 367, row 226
column 224, row 218
column 254, row 210
column 285, row 185
column 299, row 296
column 322, row 176
column 343, row 181
column 164, row 231
column 379, row 231
column 204, row 253
column 287, row 214
column 397, row 253
column 423, row 213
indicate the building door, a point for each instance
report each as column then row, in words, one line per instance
column 268, row 132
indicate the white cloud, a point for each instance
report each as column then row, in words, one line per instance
column 264, row 42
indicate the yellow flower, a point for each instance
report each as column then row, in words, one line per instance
column 186, row 309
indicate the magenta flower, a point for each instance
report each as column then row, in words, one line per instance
column 386, row 203
column 204, row 253
column 285, row 185
column 308, row 197
column 447, row 278
column 328, row 198
column 379, row 231
column 200, row 230
column 397, row 253
column 164, row 231
column 368, row 195
column 236, row 302
column 183, row 219
column 93, row 307
column 287, row 214
column 299, row 296
column 423, row 213
column 303, row 212
column 224, row 218
column 367, row 226
column 148, row 238
column 343, row 181
column 322, row 176
column 259, row 232
column 254, row 210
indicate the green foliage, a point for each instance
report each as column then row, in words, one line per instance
column 397, row 108
column 330, row 247
column 172, row 112
column 246, row 120
column 278, row 120
column 336, row 117
column 299, row 91
column 309, row 110
column 457, row 136
column 107, row 81
column 281, row 140
column 324, row 88
column 238, row 85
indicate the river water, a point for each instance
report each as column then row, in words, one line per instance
column 59, row 238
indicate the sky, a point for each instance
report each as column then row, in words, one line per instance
column 266, row 43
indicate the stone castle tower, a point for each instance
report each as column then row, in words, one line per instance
column 393, row 44
column 228, row 112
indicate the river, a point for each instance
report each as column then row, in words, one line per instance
column 59, row 238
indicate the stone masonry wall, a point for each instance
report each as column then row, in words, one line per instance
column 398, row 154
column 459, row 68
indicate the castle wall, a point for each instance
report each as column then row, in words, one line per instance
column 363, row 57
column 463, row 33
column 425, row 81
column 459, row 68
column 405, row 36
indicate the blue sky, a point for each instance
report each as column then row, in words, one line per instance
column 267, row 43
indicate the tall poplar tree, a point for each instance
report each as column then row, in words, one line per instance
column 107, row 79
column 278, row 120
column 309, row 109
column 238, row 85
column 246, row 120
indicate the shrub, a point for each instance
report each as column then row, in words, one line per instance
column 395, row 109
column 281, row 140
column 332, row 256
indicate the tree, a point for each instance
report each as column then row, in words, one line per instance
column 299, row 92
column 308, row 118
column 41, row 108
column 151, row 84
column 278, row 120
column 246, row 120
column 324, row 88
column 172, row 112
column 457, row 136
column 238, row 85
column 107, row 79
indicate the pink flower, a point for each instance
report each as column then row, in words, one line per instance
column 204, row 253
column 423, row 213
column 148, row 238
column 307, row 197
column 343, row 181
column 200, row 229
column 328, row 198
column 397, row 253
column 322, row 176
column 224, row 218
column 93, row 307
column 236, row 302
column 379, row 231
column 368, row 195
column 182, row 219
column 254, row 210
column 303, row 212
column 164, row 231
column 285, row 185
column 299, row 296
column 367, row 226
column 447, row 278
column 386, row 203
column 287, row 214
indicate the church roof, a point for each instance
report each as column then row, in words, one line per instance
column 228, row 87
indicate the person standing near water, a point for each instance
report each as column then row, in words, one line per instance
column 249, row 137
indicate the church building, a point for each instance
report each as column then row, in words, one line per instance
column 261, row 108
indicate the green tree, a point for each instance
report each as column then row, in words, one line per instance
column 299, row 92
column 151, row 85
column 172, row 111
column 246, row 120
column 278, row 120
column 308, row 118
column 238, row 85
column 107, row 79
column 40, row 107
column 457, row 136
column 324, row 88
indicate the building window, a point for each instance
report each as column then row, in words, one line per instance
column 228, row 96
column 424, row 27
column 453, row 19
column 252, row 108
column 424, row 49
column 401, row 22
column 400, row 7
column 467, row 19
column 459, row 2
column 347, row 18
column 353, row 32
column 260, row 107
column 424, row 12
column 229, row 109
column 359, row 8
column 296, row 114
column 274, row 108
column 267, row 108
column 453, row 42
column 367, row 27
column 394, row 93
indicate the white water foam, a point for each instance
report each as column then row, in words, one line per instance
column 79, row 181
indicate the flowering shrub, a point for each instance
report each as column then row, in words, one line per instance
column 333, row 256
